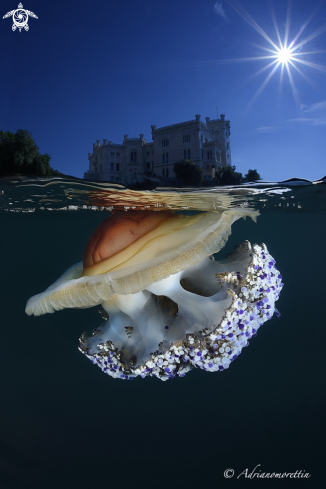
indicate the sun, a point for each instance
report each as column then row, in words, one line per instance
column 284, row 55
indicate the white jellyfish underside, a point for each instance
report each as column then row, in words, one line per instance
column 201, row 317
column 169, row 306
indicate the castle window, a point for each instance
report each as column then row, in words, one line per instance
column 167, row 173
column 133, row 157
column 112, row 166
column 118, row 155
column 189, row 154
column 165, row 157
column 186, row 138
column 147, row 153
column 148, row 165
column 118, row 166
column 163, row 172
column 165, row 142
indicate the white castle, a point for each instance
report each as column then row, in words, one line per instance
column 207, row 145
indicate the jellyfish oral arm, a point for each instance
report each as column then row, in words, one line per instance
column 130, row 304
column 206, row 331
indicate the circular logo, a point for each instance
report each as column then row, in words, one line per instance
column 20, row 18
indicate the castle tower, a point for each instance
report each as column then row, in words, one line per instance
column 221, row 131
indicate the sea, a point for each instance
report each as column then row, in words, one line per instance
column 65, row 424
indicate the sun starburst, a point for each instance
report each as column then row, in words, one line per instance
column 290, row 56
column 284, row 55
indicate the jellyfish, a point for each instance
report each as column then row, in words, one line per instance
column 169, row 306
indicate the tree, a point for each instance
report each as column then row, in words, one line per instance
column 20, row 155
column 252, row 175
column 188, row 172
column 228, row 176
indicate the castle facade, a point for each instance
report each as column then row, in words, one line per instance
column 206, row 144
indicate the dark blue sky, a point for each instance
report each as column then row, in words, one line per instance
column 92, row 70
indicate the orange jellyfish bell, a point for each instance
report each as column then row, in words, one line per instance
column 119, row 231
column 131, row 250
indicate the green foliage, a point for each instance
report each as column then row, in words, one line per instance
column 20, row 155
column 188, row 172
column 252, row 175
column 228, row 176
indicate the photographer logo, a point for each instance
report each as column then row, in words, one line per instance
column 20, row 18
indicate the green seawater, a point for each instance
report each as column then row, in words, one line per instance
column 64, row 424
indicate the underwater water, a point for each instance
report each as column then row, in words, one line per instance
column 66, row 424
